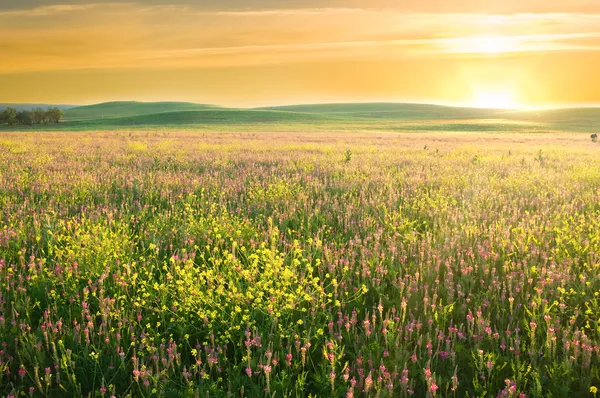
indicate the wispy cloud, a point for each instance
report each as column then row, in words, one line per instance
column 465, row 45
column 230, row 50
column 44, row 11
column 111, row 35
column 422, row 6
column 294, row 12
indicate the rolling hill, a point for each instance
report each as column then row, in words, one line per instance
column 578, row 119
column 319, row 117
column 107, row 110
column 401, row 111
column 202, row 117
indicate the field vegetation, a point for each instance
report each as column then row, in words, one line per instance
column 360, row 117
column 290, row 265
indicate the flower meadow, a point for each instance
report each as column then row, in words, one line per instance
column 295, row 265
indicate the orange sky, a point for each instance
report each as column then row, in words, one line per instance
column 245, row 53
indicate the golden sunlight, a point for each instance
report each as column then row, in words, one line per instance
column 496, row 99
column 453, row 52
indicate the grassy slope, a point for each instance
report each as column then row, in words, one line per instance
column 392, row 111
column 580, row 119
column 209, row 118
column 322, row 117
column 130, row 108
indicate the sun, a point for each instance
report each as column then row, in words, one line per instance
column 496, row 99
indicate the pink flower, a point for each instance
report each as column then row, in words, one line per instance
column 368, row 382
column 427, row 373
column 433, row 388
column 533, row 325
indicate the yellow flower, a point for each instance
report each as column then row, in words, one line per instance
column 593, row 390
column 300, row 322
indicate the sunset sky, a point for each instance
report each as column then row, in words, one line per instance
column 513, row 53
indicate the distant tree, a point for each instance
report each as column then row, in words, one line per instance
column 24, row 117
column 47, row 116
column 37, row 115
column 10, row 116
column 2, row 117
column 58, row 114
column 54, row 114
column 594, row 137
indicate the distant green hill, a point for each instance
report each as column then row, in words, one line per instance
column 393, row 111
column 129, row 108
column 321, row 117
column 587, row 119
column 202, row 117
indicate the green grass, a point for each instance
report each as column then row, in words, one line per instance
column 321, row 117
column 587, row 119
column 383, row 265
column 392, row 111
column 109, row 110
column 212, row 116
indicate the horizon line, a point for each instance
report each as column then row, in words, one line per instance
column 291, row 104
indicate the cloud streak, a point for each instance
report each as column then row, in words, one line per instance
column 423, row 6
column 131, row 35
column 50, row 10
column 125, row 37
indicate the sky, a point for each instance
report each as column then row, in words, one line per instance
column 511, row 53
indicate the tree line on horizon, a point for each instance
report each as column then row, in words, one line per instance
column 13, row 116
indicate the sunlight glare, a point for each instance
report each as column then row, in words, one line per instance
column 496, row 99
column 486, row 45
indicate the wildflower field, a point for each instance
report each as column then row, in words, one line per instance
column 294, row 265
